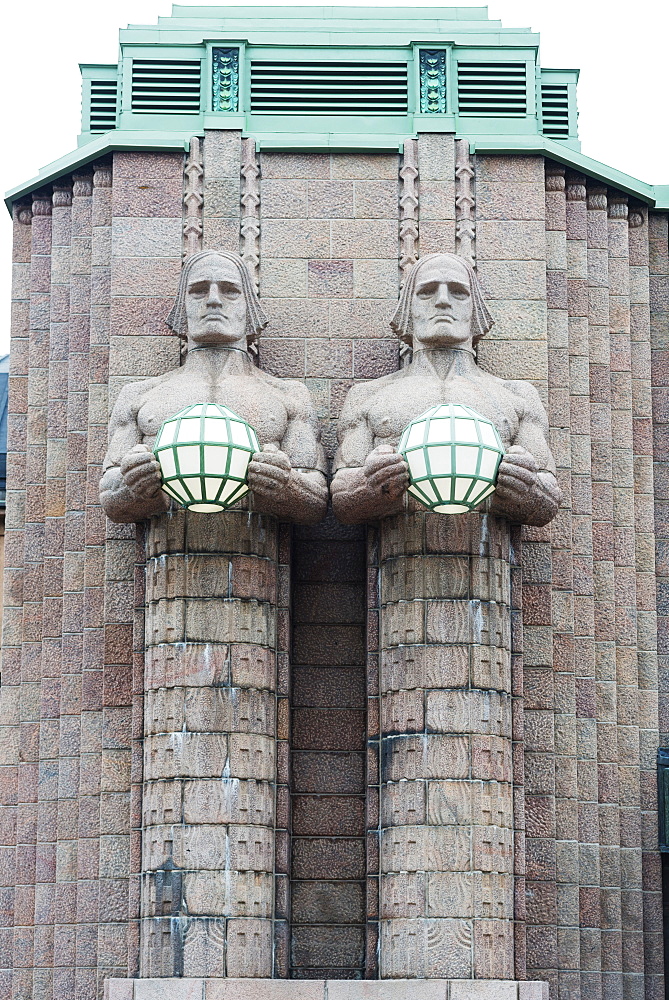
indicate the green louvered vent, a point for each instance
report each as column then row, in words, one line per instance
column 329, row 87
column 102, row 112
column 166, row 86
column 492, row 89
column 555, row 110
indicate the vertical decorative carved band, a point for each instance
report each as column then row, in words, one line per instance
column 409, row 207
column 465, row 231
column 433, row 81
column 226, row 80
column 193, row 200
column 250, row 226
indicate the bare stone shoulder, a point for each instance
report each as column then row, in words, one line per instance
column 131, row 396
column 526, row 392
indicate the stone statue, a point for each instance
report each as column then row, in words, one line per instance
column 442, row 316
column 218, row 313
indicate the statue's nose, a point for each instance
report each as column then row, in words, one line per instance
column 214, row 294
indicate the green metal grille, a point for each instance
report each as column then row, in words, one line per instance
column 492, row 89
column 555, row 110
column 103, row 105
column 166, row 86
column 204, row 453
column 453, row 454
column 329, row 87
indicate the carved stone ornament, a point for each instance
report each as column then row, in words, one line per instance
column 62, row 195
column 250, row 224
column 193, row 199
column 218, row 314
column 465, row 231
column 442, row 314
column 408, row 207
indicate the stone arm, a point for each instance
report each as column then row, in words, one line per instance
column 527, row 488
column 369, row 482
column 290, row 482
column 130, row 485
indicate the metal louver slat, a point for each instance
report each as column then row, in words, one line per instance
column 166, row 86
column 498, row 89
column 102, row 113
column 329, row 88
column 555, row 110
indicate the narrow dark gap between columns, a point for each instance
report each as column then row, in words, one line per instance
column 328, row 731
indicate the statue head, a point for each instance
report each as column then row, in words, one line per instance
column 216, row 303
column 441, row 304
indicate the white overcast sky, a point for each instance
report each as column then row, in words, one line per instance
column 623, row 92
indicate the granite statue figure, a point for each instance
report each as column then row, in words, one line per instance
column 218, row 314
column 441, row 315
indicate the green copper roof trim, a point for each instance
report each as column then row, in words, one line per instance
column 656, row 196
column 578, row 162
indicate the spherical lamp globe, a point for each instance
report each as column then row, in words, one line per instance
column 204, row 453
column 453, row 454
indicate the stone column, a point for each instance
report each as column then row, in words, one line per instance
column 446, row 790
column 209, row 746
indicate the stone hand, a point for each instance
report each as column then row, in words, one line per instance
column 386, row 472
column 141, row 472
column 518, row 474
column 269, row 471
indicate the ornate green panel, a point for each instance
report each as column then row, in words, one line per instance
column 225, row 79
column 433, row 81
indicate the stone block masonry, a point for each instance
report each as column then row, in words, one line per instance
column 179, row 815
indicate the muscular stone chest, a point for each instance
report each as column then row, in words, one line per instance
column 399, row 402
column 256, row 403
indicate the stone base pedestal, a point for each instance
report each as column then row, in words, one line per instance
column 320, row 989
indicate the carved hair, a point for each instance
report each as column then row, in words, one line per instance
column 256, row 320
column 402, row 324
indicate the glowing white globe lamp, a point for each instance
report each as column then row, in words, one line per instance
column 204, row 453
column 453, row 454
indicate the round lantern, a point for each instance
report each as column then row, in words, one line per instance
column 453, row 454
column 204, row 453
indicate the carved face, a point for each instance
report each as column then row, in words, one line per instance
column 215, row 304
column 441, row 309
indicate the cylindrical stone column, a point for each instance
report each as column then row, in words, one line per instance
column 446, row 785
column 209, row 746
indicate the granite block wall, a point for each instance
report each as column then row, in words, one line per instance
column 96, row 762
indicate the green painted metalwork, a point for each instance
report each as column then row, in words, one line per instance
column 225, row 84
column 488, row 87
column 433, row 81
